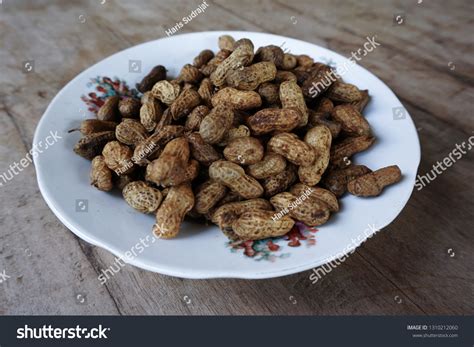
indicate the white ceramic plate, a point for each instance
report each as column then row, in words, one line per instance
column 107, row 221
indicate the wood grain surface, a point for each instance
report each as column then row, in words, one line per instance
column 421, row 264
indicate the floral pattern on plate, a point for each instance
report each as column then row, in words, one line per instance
column 103, row 88
column 270, row 249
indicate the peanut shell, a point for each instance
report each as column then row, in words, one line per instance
column 101, row 175
column 142, row 197
column 233, row 176
column 373, row 183
column 260, row 224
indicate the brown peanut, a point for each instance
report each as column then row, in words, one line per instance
column 203, row 58
column 149, row 148
column 336, row 180
column 118, row 157
column 319, row 118
column 244, row 151
column 319, row 138
column 234, row 133
column 215, row 125
column 289, row 62
column 170, row 215
column 260, row 224
column 237, row 99
column 321, row 114
column 274, row 119
column 171, row 164
column 201, row 150
column 304, row 60
column 271, row 53
column 212, row 65
column 130, row 132
column 321, row 194
column 292, row 148
column 109, row 110
column 325, row 106
column 91, row 126
column 373, row 183
column 291, row 96
column 226, row 42
column 229, row 197
column 269, row 92
column 280, row 182
column 166, row 91
column 101, row 175
column 166, row 119
column 320, row 78
column 206, row 91
column 91, row 145
column 129, row 107
column 348, row 147
column 250, row 77
column 185, row 103
column 362, row 103
column 156, row 74
column 150, row 112
column 142, row 197
column 194, row 119
column 242, row 55
column 344, row 92
column 285, row 76
column 311, row 212
column 190, row 74
column 191, row 171
column 302, row 73
column 352, row 122
column 208, row 195
column 234, row 177
column 272, row 164
column 229, row 212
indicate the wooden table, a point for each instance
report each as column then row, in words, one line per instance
column 420, row 264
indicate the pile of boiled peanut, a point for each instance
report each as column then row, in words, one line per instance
column 238, row 139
